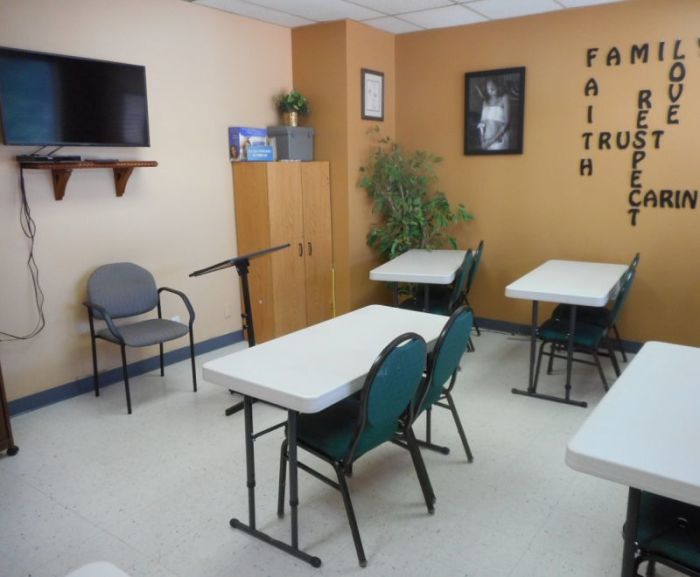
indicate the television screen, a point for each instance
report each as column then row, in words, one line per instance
column 48, row 99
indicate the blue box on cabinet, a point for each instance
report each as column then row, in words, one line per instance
column 241, row 138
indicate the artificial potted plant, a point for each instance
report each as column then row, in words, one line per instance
column 413, row 212
column 291, row 105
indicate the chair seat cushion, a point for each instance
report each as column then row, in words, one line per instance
column 660, row 531
column 586, row 335
column 594, row 315
column 332, row 430
column 148, row 332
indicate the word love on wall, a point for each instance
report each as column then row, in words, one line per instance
column 642, row 139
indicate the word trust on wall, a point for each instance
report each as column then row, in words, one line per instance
column 641, row 139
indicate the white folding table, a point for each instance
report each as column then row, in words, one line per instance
column 574, row 283
column 420, row 266
column 644, row 433
column 306, row 372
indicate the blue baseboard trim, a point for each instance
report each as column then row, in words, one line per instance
column 519, row 329
column 84, row 385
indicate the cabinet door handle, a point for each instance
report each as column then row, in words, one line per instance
column 301, row 249
column 310, row 248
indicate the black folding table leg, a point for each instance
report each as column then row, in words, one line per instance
column 249, row 528
column 630, row 532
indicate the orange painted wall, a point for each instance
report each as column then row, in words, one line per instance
column 327, row 59
column 533, row 207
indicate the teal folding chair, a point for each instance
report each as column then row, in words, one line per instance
column 668, row 533
column 589, row 337
column 597, row 315
column 344, row 432
column 443, row 365
column 444, row 301
column 470, row 281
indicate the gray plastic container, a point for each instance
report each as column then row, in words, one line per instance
column 293, row 142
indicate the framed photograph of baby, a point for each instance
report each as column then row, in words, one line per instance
column 494, row 104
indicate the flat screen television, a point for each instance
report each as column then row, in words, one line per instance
column 49, row 99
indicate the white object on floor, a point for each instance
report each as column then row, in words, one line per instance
column 98, row 569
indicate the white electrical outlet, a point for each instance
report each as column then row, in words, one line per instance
column 176, row 318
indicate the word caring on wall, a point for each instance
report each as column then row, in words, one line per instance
column 642, row 139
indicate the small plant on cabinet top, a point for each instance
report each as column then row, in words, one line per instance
column 413, row 212
column 292, row 102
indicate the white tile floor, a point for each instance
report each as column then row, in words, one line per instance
column 153, row 492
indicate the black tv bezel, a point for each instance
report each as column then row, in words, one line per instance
column 70, row 143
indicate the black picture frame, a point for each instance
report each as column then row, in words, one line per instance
column 485, row 114
column 372, row 94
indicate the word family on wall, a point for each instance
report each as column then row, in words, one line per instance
column 642, row 139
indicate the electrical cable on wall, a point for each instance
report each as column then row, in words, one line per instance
column 29, row 229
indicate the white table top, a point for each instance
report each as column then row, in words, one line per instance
column 421, row 266
column 645, row 433
column 569, row 282
column 311, row 369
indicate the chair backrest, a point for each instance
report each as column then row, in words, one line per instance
column 124, row 289
column 445, row 358
column 460, row 286
column 387, row 393
column 475, row 266
column 622, row 295
column 635, row 262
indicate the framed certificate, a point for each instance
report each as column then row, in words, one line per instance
column 372, row 95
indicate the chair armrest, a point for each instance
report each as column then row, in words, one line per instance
column 184, row 298
column 92, row 307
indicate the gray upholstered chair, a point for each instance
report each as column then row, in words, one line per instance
column 122, row 290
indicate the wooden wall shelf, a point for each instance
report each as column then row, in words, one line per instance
column 61, row 171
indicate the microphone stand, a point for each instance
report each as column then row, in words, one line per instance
column 242, row 263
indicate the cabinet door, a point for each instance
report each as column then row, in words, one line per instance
column 253, row 234
column 318, row 242
column 286, row 226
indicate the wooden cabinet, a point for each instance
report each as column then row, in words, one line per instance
column 278, row 203
column 6, row 441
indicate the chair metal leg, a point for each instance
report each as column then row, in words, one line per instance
column 619, row 344
column 126, row 380
column 428, row 414
column 474, row 323
column 160, row 358
column 421, row 471
column 539, row 363
column 460, row 429
column 281, row 487
column 194, row 368
column 470, row 346
column 351, row 514
column 95, row 376
column 550, row 364
column 600, row 370
column 613, row 358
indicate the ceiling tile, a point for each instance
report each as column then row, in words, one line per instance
column 393, row 7
column 443, row 17
column 257, row 12
column 496, row 9
column 393, row 25
column 320, row 10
